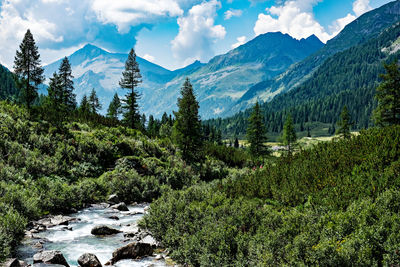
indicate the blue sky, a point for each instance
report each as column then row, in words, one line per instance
column 171, row 33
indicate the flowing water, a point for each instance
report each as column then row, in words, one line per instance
column 73, row 243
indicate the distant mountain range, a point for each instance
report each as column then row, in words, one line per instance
column 317, row 89
column 218, row 84
column 358, row 32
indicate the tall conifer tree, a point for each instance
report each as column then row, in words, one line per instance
column 289, row 134
column 131, row 78
column 344, row 124
column 67, row 84
column 187, row 126
column 256, row 133
column 388, row 96
column 114, row 109
column 28, row 69
column 94, row 102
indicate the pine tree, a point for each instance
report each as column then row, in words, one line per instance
column 54, row 104
column 114, row 109
column 131, row 78
column 344, row 124
column 236, row 143
column 388, row 96
column 308, row 131
column 28, row 69
column 84, row 107
column 94, row 102
column 67, row 84
column 289, row 134
column 187, row 126
column 256, row 133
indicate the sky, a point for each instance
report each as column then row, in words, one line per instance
column 170, row 33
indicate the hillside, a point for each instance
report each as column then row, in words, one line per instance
column 358, row 32
column 227, row 77
column 347, row 78
column 8, row 89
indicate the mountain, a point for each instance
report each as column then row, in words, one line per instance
column 225, row 78
column 348, row 78
column 358, row 32
column 218, row 83
column 8, row 89
column 96, row 68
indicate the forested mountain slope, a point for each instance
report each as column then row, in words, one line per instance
column 347, row 78
column 358, row 32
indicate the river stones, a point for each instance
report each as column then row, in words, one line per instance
column 113, row 199
column 11, row 263
column 89, row 260
column 120, row 206
column 131, row 251
column 50, row 257
column 104, row 230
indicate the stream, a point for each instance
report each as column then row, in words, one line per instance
column 75, row 239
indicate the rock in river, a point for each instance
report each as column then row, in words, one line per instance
column 113, row 199
column 131, row 251
column 89, row 260
column 50, row 257
column 104, row 230
column 120, row 206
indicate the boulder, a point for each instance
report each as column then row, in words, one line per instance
column 131, row 251
column 113, row 217
column 46, row 265
column 100, row 206
column 120, row 206
column 89, row 260
column 104, row 230
column 61, row 220
column 12, row 263
column 113, row 199
column 50, row 257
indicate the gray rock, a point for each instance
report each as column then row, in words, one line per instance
column 11, row 263
column 50, row 257
column 120, row 206
column 131, row 251
column 113, row 199
column 89, row 260
column 61, row 220
column 113, row 217
column 104, row 230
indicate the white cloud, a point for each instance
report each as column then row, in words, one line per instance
column 126, row 13
column 240, row 41
column 197, row 33
column 361, row 6
column 296, row 18
column 149, row 57
column 232, row 13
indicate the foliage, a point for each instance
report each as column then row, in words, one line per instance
column 256, row 134
column 27, row 68
column 344, row 124
column 131, row 78
column 334, row 205
column 289, row 134
column 114, row 109
column 388, row 95
column 187, row 126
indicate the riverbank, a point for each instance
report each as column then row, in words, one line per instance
column 73, row 236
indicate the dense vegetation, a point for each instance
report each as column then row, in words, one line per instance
column 335, row 205
column 348, row 78
column 43, row 171
column 8, row 89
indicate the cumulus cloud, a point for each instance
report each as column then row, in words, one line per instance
column 197, row 33
column 361, row 6
column 296, row 18
column 149, row 57
column 232, row 13
column 125, row 13
column 240, row 41
column 63, row 25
